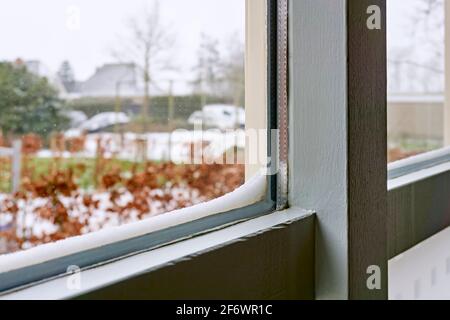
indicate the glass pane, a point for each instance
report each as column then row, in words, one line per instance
column 115, row 111
column 416, row 77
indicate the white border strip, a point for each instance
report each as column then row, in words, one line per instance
column 253, row 191
column 422, row 272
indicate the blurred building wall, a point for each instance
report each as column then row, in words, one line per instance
column 416, row 118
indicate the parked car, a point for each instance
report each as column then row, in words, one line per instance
column 76, row 118
column 219, row 116
column 104, row 120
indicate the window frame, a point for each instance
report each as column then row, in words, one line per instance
column 28, row 276
column 405, row 170
column 417, row 198
column 406, row 167
column 353, row 228
column 338, row 160
column 418, row 206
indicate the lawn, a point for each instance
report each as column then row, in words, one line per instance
column 35, row 168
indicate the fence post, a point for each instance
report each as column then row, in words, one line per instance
column 447, row 74
column 16, row 164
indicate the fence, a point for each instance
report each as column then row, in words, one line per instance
column 416, row 117
column 15, row 153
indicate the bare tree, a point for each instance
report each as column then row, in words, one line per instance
column 233, row 70
column 221, row 73
column 208, row 68
column 148, row 45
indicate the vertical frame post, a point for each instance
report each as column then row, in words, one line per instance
column 338, row 145
column 256, row 55
column 16, row 160
column 367, row 148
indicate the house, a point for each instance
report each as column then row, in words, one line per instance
column 107, row 81
column 417, row 116
column 110, row 80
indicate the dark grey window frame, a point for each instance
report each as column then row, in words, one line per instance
column 338, row 166
column 358, row 222
column 418, row 200
column 58, row 267
column 342, row 177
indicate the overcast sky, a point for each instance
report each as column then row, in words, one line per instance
column 398, row 14
column 44, row 29
column 41, row 29
column 419, row 41
column 400, row 22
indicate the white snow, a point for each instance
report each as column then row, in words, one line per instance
column 174, row 146
column 97, row 218
column 219, row 116
column 251, row 192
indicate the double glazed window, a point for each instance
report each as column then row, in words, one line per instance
column 121, row 136
column 169, row 120
column 417, row 106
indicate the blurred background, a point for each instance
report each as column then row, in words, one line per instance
column 101, row 103
column 416, row 77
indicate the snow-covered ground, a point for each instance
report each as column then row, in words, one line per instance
column 93, row 218
column 174, row 146
column 219, row 116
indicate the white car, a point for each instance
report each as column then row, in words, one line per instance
column 104, row 120
column 76, row 118
column 219, row 116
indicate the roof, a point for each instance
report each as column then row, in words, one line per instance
column 112, row 77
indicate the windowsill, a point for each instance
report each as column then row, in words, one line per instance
column 420, row 167
column 120, row 270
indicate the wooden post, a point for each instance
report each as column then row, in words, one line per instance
column 367, row 145
column 447, row 75
column 171, row 115
column 171, row 106
column 16, row 166
column 117, row 107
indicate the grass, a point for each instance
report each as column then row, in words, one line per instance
column 5, row 175
column 415, row 145
column 39, row 167
column 36, row 168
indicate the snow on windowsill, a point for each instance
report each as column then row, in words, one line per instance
column 251, row 192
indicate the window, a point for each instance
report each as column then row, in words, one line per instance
column 417, row 106
column 418, row 132
column 108, row 130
